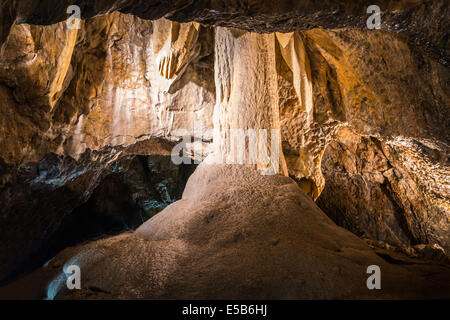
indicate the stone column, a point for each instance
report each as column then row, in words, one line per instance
column 247, row 101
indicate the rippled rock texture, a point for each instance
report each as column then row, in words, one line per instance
column 362, row 114
column 100, row 86
column 419, row 20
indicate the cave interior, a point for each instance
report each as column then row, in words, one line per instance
column 224, row 149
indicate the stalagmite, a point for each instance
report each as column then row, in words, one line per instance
column 247, row 100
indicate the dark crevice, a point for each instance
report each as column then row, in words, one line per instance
column 391, row 260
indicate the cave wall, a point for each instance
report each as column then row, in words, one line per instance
column 60, row 201
column 99, row 87
column 389, row 190
column 83, row 115
column 361, row 112
column 362, row 92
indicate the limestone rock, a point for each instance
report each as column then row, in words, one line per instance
column 104, row 90
column 359, row 96
column 247, row 101
column 60, row 201
column 361, row 114
column 387, row 190
column 261, row 237
column 418, row 20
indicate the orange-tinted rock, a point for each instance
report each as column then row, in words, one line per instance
column 362, row 113
column 260, row 237
column 59, row 201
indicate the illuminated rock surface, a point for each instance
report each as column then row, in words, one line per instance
column 261, row 237
column 362, row 116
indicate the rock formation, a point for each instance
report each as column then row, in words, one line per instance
column 260, row 237
column 356, row 117
column 247, row 60
column 112, row 93
column 60, row 201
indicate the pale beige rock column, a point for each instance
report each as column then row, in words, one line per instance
column 247, row 99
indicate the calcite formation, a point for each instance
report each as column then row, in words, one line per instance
column 247, row 60
column 260, row 237
column 59, row 201
column 174, row 45
column 356, row 117
column 106, row 91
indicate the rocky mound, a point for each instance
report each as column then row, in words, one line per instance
column 238, row 234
